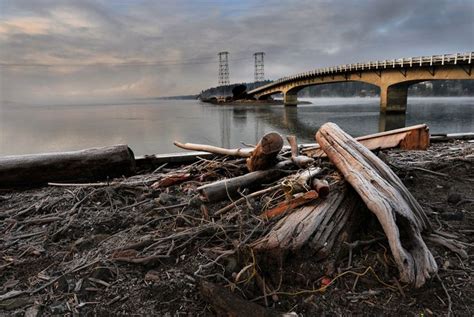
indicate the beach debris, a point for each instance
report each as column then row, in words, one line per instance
column 229, row 188
column 321, row 186
column 291, row 204
column 245, row 229
column 320, row 224
column 226, row 303
column 302, row 161
column 84, row 165
column 415, row 137
column 265, row 153
column 401, row 216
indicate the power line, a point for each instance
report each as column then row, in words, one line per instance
column 164, row 63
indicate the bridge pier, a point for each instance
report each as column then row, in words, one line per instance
column 393, row 99
column 290, row 99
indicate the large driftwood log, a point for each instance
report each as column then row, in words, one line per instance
column 85, row 165
column 265, row 153
column 226, row 303
column 230, row 187
column 400, row 215
column 319, row 225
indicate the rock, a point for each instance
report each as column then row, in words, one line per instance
column 166, row 199
column 62, row 284
column 58, row 308
column 456, row 215
column 103, row 273
column 33, row 311
column 152, row 276
column 14, row 303
column 454, row 198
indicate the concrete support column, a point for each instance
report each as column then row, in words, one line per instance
column 290, row 98
column 391, row 121
column 393, row 99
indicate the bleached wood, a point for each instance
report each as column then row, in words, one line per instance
column 319, row 224
column 400, row 215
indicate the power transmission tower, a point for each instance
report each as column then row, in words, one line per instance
column 259, row 71
column 223, row 68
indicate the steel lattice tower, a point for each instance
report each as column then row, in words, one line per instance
column 259, row 71
column 223, row 68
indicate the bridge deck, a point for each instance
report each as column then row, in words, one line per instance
column 421, row 61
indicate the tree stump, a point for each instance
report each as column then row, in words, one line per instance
column 265, row 153
column 320, row 224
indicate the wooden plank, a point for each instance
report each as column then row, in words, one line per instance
column 410, row 138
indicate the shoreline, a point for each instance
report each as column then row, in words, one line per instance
column 105, row 249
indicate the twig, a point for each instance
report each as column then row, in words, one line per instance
column 450, row 303
column 242, row 199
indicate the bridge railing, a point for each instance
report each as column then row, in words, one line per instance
column 420, row 61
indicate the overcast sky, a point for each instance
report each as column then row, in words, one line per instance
column 86, row 51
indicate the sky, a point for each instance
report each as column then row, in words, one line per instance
column 80, row 51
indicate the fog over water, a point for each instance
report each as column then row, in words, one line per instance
column 151, row 126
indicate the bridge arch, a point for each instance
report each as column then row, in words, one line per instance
column 392, row 76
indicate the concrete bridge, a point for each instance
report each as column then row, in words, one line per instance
column 393, row 77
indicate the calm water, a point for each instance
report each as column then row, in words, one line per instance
column 151, row 127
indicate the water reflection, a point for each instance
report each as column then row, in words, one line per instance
column 391, row 121
column 152, row 127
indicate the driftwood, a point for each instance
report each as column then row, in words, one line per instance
column 321, row 187
column 400, row 215
column 265, row 153
column 416, row 137
column 299, row 182
column 289, row 205
column 301, row 161
column 228, row 188
column 320, row 225
column 214, row 149
column 85, row 165
column 226, row 303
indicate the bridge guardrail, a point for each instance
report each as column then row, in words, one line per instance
column 465, row 58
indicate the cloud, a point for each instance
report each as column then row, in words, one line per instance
column 296, row 36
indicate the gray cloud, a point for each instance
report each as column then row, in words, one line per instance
column 296, row 35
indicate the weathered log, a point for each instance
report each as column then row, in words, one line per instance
column 318, row 225
column 214, row 149
column 321, row 187
column 86, row 165
column 230, row 187
column 301, row 161
column 265, row 153
column 416, row 137
column 225, row 303
column 400, row 215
